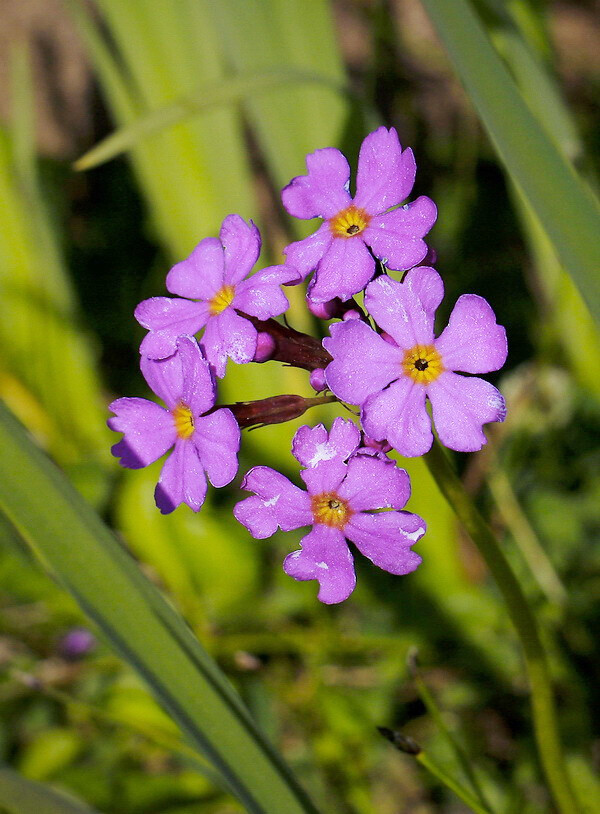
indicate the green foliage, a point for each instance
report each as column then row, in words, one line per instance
column 216, row 105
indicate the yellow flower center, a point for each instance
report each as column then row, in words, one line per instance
column 349, row 222
column 422, row 363
column 330, row 510
column 222, row 299
column 183, row 420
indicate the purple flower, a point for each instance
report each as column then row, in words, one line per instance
column 338, row 249
column 339, row 506
column 391, row 377
column 201, row 443
column 76, row 643
column 212, row 282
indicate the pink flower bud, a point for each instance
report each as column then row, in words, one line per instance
column 265, row 347
column 317, row 379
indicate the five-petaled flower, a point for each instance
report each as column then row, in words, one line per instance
column 212, row 282
column 346, row 486
column 390, row 377
column 338, row 249
column 202, row 442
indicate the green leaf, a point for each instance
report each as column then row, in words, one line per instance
column 195, row 172
column 143, row 628
column 565, row 208
column 205, row 98
column 208, row 562
column 18, row 795
column 49, row 751
column 39, row 303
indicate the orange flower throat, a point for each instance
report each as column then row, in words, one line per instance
column 422, row 363
column 183, row 420
column 349, row 222
column 330, row 510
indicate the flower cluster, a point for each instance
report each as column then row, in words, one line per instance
column 384, row 358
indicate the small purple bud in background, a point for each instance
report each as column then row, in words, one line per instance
column 265, row 347
column 352, row 314
column 317, row 379
column 76, row 643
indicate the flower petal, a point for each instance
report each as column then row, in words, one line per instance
column 199, row 276
column 182, row 479
column 398, row 415
column 165, row 377
column 385, row 538
column 397, row 309
column 363, row 362
column 385, row 174
column 241, row 242
column 261, row 295
column 472, row 342
column 199, row 390
column 312, row 445
column 324, row 477
column 374, row 483
column 228, row 334
column 324, row 556
column 217, row 440
column 461, row 405
column 304, row 255
column 345, row 268
column 427, row 285
column 277, row 502
column 148, row 430
column 396, row 237
column 166, row 319
column 323, row 191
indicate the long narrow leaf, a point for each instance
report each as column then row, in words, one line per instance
column 41, row 332
column 229, row 91
column 18, row 795
column 141, row 626
column 565, row 208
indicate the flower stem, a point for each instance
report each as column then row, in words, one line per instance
column 461, row 792
column 522, row 617
column 274, row 409
column 438, row 718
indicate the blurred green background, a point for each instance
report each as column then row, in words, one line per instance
column 220, row 101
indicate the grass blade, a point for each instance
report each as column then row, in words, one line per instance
column 565, row 208
column 438, row 718
column 229, row 91
column 142, row 627
column 39, row 301
column 18, row 795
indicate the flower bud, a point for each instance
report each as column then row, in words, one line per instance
column 273, row 410
column 317, row 379
column 378, row 446
column 265, row 347
column 323, row 310
column 76, row 643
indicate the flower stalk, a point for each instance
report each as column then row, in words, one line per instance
column 274, row 409
column 524, row 621
column 292, row 347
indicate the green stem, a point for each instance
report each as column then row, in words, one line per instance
column 460, row 791
column 522, row 617
column 525, row 537
column 436, row 713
